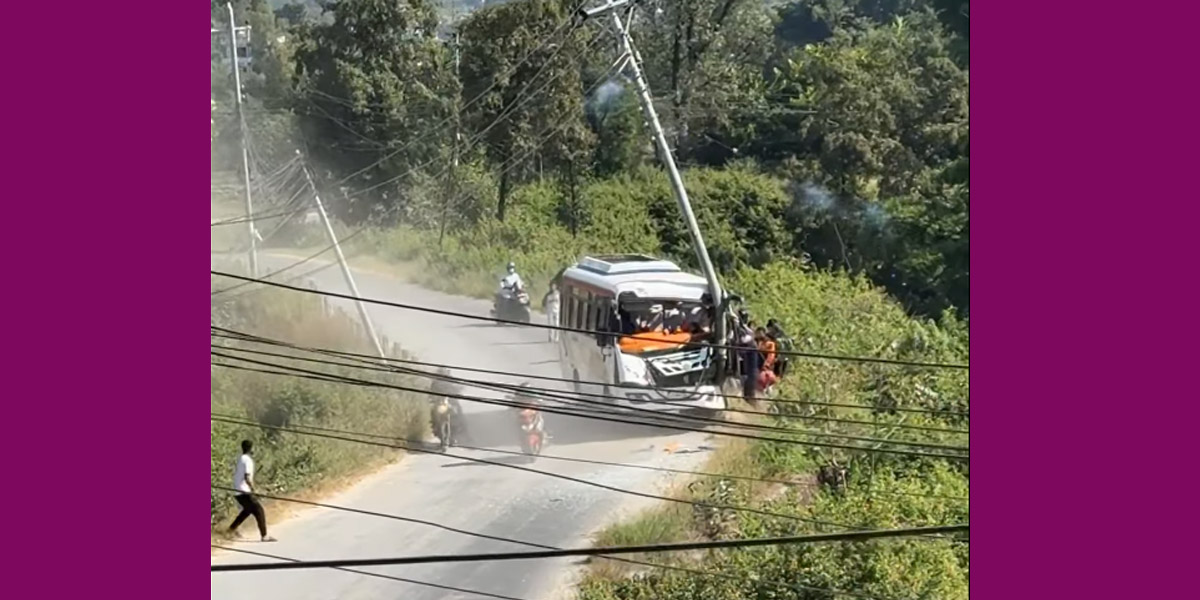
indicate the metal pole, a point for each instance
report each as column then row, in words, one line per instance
column 668, row 159
column 237, row 83
column 337, row 248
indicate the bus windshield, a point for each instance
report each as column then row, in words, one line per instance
column 670, row 323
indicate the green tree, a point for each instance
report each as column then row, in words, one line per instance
column 621, row 136
column 521, row 75
column 704, row 61
column 891, row 118
column 376, row 84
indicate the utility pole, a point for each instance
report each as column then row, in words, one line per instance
column 241, row 117
column 337, row 248
column 668, row 159
column 453, row 176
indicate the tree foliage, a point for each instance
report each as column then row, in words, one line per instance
column 841, row 125
column 378, row 82
column 525, row 95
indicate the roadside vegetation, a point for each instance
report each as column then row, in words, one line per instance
column 290, row 464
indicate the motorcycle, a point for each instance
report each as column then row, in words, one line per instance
column 512, row 305
column 443, row 414
column 533, row 431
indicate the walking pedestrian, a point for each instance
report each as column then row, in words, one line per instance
column 243, row 482
column 551, row 302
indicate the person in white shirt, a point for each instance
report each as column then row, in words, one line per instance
column 551, row 303
column 243, row 482
column 511, row 282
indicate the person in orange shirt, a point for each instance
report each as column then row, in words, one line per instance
column 766, row 347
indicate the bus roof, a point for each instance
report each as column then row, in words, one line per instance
column 641, row 275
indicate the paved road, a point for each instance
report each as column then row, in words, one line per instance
column 479, row 498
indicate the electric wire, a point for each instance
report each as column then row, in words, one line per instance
column 471, row 141
column 373, row 574
column 551, row 38
column 413, row 170
column 607, row 416
column 561, row 397
column 604, row 463
column 409, row 447
column 669, row 567
column 438, row 311
column 849, row 536
column 233, row 334
column 382, row 365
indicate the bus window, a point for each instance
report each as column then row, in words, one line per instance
column 565, row 299
column 579, row 320
column 590, row 313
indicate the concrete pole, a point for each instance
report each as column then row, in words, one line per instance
column 349, row 277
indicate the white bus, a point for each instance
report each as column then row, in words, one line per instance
column 635, row 294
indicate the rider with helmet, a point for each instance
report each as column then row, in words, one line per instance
column 527, row 405
column 444, row 388
column 511, row 283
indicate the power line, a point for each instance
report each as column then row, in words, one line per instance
column 603, row 463
column 291, row 266
column 850, row 536
column 378, row 575
column 234, row 420
column 233, row 334
column 474, row 139
column 669, row 567
column 562, row 398
column 660, row 418
column 664, row 422
column 495, row 81
column 468, row 144
column 608, row 417
column 383, row 366
column 449, row 313
column 255, row 218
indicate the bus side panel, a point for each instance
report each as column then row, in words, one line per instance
column 584, row 309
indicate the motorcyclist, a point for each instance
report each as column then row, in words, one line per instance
column 444, row 388
column 528, row 409
column 511, row 283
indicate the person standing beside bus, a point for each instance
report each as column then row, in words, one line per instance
column 551, row 303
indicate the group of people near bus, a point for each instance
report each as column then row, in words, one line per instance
column 761, row 363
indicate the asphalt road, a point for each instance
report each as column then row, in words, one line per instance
column 479, row 498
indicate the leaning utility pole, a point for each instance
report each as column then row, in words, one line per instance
column 634, row 60
column 453, row 175
column 337, row 248
column 237, row 83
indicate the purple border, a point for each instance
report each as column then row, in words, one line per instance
column 1085, row 254
column 104, row 186
column 112, row 145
